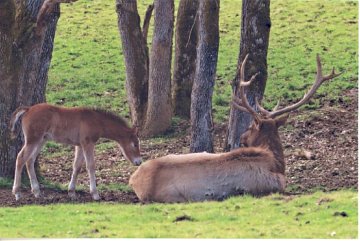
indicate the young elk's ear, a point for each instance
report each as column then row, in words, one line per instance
column 281, row 120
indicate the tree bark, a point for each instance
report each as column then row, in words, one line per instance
column 159, row 110
column 255, row 30
column 26, row 42
column 207, row 52
column 185, row 56
column 136, row 59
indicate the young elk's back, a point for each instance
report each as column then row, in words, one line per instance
column 258, row 168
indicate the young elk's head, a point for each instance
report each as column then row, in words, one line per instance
column 130, row 146
column 264, row 128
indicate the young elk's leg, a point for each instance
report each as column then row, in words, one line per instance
column 18, row 169
column 78, row 161
column 35, row 188
column 88, row 151
column 23, row 156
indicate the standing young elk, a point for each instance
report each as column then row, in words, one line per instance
column 257, row 169
column 81, row 127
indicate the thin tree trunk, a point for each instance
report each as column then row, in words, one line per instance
column 159, row 111
column 255, row 30
column 207, row 52
column 25, row 55
column 185, row 56
column 136, row 59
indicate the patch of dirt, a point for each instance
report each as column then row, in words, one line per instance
column 328, row 136
column 51, row 196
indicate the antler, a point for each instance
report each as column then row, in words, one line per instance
column 318, row 81
column 243, row 104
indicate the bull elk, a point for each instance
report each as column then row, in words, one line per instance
column 258, row 168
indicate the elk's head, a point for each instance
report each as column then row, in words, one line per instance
column 263, row 131
column 130, row 146
column 264, row 128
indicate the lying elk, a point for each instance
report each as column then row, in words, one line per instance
column 81, row 127
column 257, row 169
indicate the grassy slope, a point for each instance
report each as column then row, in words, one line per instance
column 315, row 216
column 88, row 68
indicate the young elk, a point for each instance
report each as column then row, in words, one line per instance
column 257, row 169
column 81, row 127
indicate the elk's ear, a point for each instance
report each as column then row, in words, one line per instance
column 256, row 125
column 281, row 120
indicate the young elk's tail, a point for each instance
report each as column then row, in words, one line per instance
column 15, row 117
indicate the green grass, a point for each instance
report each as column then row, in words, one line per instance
column 320, row 215
column 88, row 67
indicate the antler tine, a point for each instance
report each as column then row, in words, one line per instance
column 238, row 104
column 242, row 102
column 318, row 81
column 276, row 106
column 236, row 101
column 261, row 109
column 242, row 70
column 319, row 74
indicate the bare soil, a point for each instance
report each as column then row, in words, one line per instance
column 321, row 149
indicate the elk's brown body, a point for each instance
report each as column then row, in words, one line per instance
column 206, row 176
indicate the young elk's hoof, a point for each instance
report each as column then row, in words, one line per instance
column 36, row 193
column 17, row 196
column 72, row 194
column 95, row 196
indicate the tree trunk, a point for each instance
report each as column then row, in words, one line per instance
column 25, row 55
column 255, row 30
column 159, row 111
column 136, row 59
column 148, row 83
column 185, row 56
column 207, row 52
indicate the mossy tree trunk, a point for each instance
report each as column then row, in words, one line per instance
column 185, row 56
column 27, row 30
column 255, row 30
column 201, row 97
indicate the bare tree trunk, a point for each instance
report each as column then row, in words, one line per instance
column 185, row 56
column 136, row 59
column 148, row 83
column 25, row 55
column 207, row 52
column 255, row 30
column 8, row 149
column 159, row 111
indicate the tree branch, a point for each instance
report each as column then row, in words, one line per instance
column 45, row 10
column 147, row 18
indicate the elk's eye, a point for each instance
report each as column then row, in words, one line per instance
column 135, row 144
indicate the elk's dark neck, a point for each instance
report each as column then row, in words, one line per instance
column 275, row 146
